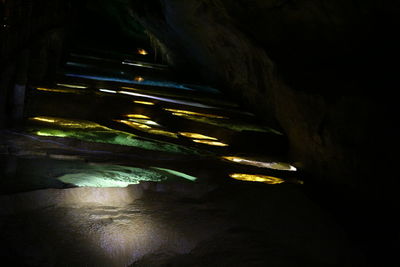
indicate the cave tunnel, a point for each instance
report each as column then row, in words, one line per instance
column 199, row 133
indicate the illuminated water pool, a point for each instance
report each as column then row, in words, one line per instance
column 93, row 132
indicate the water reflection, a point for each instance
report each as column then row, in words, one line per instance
column 178, row 174
column 197, row 136
column 96, row 175
column 22, row 174
column 181, row 112
column 70, row 123
column 145, row 121
column 93, row 132
column 148, row 129
column 137, row 116
column 72, row 86
column 210, row 143
column 144, row 103
column 221, row 121
column 256, row 178
column 169, row 100
column 261, row 164
column 65, row 91
column 108, row 91
column 142, row 81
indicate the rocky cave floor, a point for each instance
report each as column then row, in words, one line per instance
column 107, row 171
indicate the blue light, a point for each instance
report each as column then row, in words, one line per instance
column 146, row 82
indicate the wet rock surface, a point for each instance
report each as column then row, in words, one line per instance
column 278, row 226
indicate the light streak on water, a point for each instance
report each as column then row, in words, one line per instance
column 262, row 164
column 169, row 100
column 256, row 178
column 144, row 82
column 108, row 91
column 72, row 86
column 210, row 143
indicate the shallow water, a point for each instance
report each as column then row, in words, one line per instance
column 84, row 108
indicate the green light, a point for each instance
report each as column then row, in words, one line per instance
column 179, row 174
column 110, row 176
column 93, row 132
column 54, row 133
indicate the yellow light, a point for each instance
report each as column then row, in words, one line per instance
column 147, row 129
column 72, row 86
column 144, row 103
column 40, row 133
column 135, row 125
column 144, row 121
column 74, row 125
column 197, row 136
column 57, row 90
column 256, row 178
column 142, row 52
column 45, row 119
column 162, row 132
column 271, row 165
column 139, row 79
column 68, row 123
column 209, row 142
column 137, row 116
column 180, row 112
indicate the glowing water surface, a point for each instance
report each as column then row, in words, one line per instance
column 171, row 94
column 75, row 86
column 108, row 91
column 210, row 143
column 197, row 136
column 137, row 116
column 178, row 174
column 257, row 178
column 31, row 173
column 143, row 64
column 146, row 122
column 144, row 103
column 220, row 121
column 64, row 91
column 261, row 164
column 93, row 132
column 168, row 100
column 145, row 127
column 181, row 112
column 110, row 176
column 143, row 82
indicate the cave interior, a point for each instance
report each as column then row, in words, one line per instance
column 199, row 133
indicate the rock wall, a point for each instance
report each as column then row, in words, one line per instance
column 32, row 36
column 319, row 69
